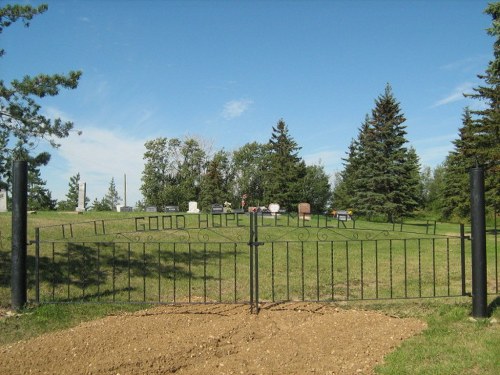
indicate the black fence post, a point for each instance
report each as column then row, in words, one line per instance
column 19, row 233
column 478, row 231
column 462, row 257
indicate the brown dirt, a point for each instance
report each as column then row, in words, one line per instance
column 294, row 338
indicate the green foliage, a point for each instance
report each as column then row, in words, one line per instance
column 248, row 169
column 21, row 123
column 215, row 184
column 316, row 188
column 284, row 170
column 381, row 175
column 172, row 172
column 71, row 201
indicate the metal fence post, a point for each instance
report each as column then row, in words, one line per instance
column 478, row 230
column 19, row 233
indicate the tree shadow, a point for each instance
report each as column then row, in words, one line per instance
column 87, row 267
column 493, row 306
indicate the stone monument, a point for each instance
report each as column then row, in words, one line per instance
column 82, row 188
column 193, row 208
column 3, row 200
column 274, row 208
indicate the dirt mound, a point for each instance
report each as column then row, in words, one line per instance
column 298, row 338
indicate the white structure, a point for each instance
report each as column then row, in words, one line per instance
column 274, row 208
column 3, row 200
column 193, row 208
column 82, row 188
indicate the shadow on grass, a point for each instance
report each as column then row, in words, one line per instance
column 493, row 306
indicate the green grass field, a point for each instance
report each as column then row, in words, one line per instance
column 158, row 265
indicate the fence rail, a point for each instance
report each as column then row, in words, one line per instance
column 171, row 272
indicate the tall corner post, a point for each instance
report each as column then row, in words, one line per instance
column 478, row 232
column 19, row 233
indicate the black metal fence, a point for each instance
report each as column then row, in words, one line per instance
column 310, row 268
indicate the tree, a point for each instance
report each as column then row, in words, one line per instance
column 112, row 197
column 456, row 189
column 21, row 122
column 486, row 122
column 316, row 188
column 284, row 169
column 381, row 174
column 216, row 183
column 248, row 165
column 71, row 202
column 172, row 172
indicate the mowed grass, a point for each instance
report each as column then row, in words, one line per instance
column 163, row 270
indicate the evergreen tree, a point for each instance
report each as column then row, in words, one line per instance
column 487, row 121
column 284, row 170
column 71, row 202
column 456, row 193
column 20, row 119
column 380, row 173
column 112, row 198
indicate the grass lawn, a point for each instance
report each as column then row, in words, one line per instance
column 452, row 344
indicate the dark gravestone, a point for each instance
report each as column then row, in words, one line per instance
column 171, row 208
column 217, row 208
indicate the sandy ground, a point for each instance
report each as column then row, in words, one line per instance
column 293, row 338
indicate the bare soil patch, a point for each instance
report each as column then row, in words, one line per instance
column 292, row 338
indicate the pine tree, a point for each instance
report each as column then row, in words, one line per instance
column 21, row 120
column 284, row 169
column 456, row 194
column 381, row 173
column 71, row 201
column 487, row 121
column 112, row 198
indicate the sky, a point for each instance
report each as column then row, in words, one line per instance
column 227, row 71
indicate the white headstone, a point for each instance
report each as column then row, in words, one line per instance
column 3, row 200
column 274, row 208
column 193, row 208
column 82, row 187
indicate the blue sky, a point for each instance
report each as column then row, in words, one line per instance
column 227, row 71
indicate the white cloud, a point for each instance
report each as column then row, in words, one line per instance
column 456, row 95
column 99, row 155
column 235, row 108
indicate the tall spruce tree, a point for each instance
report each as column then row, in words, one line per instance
column 284, row 169
column 487, row 121
column 384, row 174
column 456, row 193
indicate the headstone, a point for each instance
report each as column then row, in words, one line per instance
column 171, row 208
column 151, row 209
column 305, row 211
column 121, row 208
column 3, row 200
column 274, row 208
column 217, row 208
column 193, row 208
column 82, row 188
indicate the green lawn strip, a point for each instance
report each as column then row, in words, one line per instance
column 34, row 321
column 452, row 344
